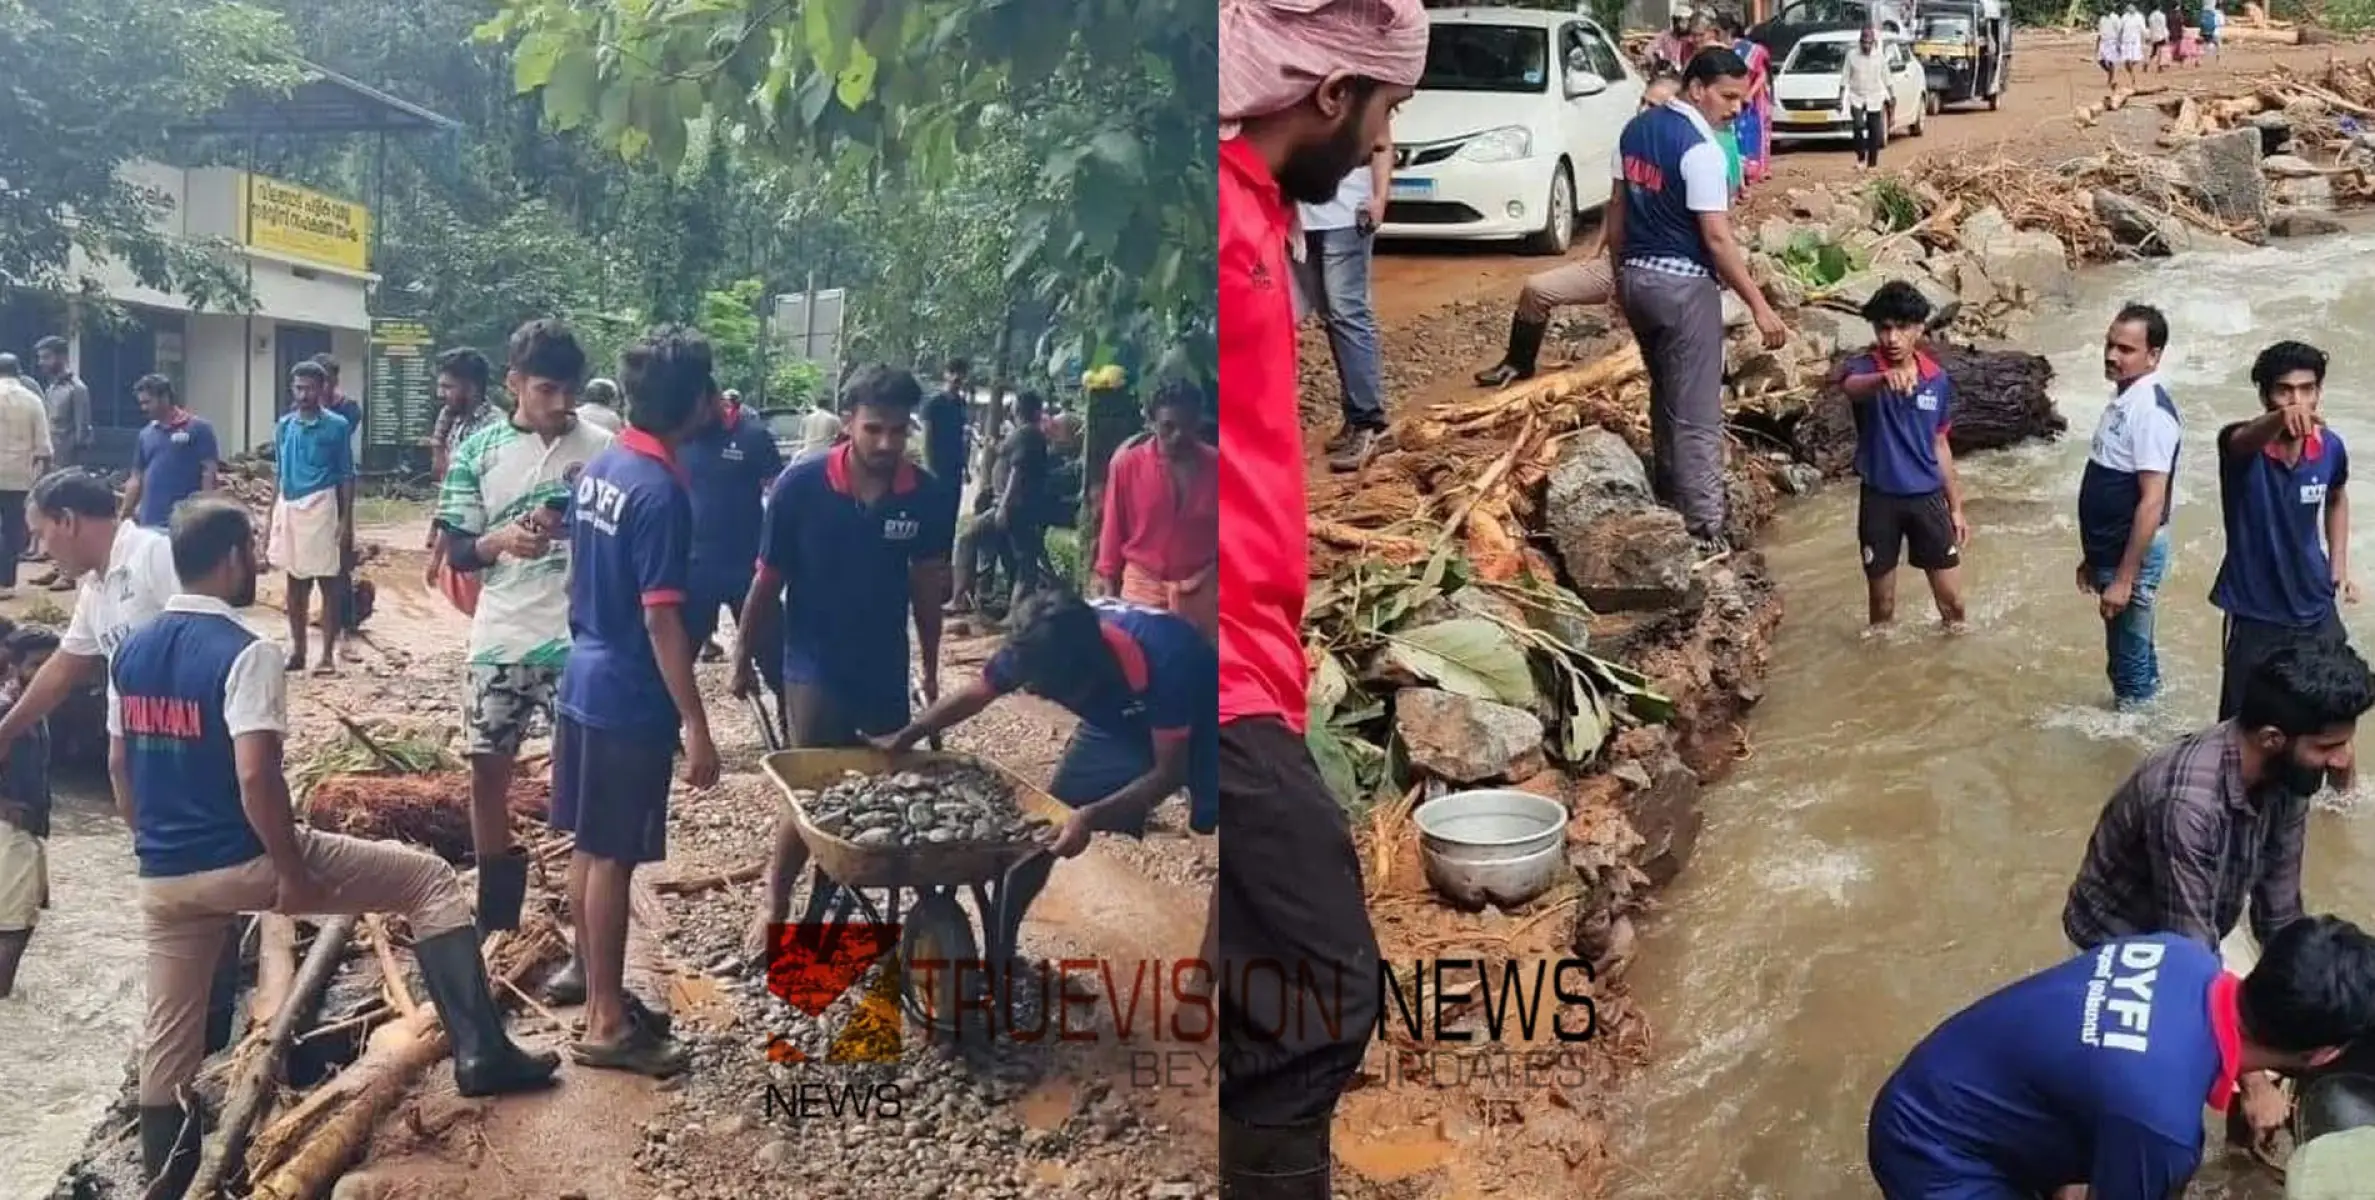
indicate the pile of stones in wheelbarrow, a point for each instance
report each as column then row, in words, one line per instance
column 934, row 804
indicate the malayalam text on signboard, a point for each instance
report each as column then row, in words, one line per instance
column 283, row 218
column 400, row 400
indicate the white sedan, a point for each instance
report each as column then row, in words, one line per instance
column 1810, row 91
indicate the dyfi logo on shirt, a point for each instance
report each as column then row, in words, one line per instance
column 2122, row 990
column 2313, row 493
column 901, row 529
column 601, row 503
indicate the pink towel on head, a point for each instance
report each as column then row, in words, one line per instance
column 1274, row 52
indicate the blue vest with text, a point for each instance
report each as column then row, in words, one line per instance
column 1658, row 220
column 169, row 676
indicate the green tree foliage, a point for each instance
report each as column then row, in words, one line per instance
column 85, row 86
column 1112, row 102
column 730, row 318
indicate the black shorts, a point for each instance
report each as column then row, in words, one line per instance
column 1921, row 526
column 610, row 788
column 2250, row 643
column 819, row 719
column 1299, row 960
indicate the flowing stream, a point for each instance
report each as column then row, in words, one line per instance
column 1901, row 841
column 68, row 1032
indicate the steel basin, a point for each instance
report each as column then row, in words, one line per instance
column 1494, row 846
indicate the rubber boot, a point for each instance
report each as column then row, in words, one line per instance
column 568, row 985
column 486, row 1063
column 168, row 1157
column 502, row 890
column 1525, row 346
column 1273, row 1162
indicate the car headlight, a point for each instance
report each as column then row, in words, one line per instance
column 1506, row 144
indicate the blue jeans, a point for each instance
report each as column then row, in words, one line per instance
column 1334, row 278
column 2134, row 666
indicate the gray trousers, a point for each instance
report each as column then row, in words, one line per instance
column 1679, row 321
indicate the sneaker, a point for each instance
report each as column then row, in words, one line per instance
column 1357, row 449
column 1343, row 437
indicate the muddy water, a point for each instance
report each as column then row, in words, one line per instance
column 1903, row 837
column 67, row 1033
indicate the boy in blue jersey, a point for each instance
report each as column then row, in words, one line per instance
column 628, row 695
column 2096, row 1071
column 175, row 457
column 2281, row 477
column 2125, row 498
column 731, row 463
column 1911, row 500
column 196, row 725
column 1144, row 684
column 1671, row 251
column 856, row 545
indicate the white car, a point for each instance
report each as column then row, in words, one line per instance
column 1810, row 92
column 1512, row 129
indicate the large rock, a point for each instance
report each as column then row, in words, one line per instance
column 1633, row 561
column 1465, row 740
column 1597, row 476
column 2303, row 224
column 2302, row 193
column 1665, row 812
column 2276, row 131
column 2222, row 174
column 2021, row 263
column 2139, row 228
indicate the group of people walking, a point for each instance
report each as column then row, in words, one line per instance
column 2130, row 40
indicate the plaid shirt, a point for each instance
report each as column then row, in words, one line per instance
column 2183, row 844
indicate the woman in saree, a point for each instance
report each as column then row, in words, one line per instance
column 1754, row 125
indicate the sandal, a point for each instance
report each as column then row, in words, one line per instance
column 641, row 1051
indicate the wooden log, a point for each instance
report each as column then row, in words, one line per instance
column 709, row 883
column 252, row 1091
column 276, row 967
column 2001, row 398
column 326, row 1134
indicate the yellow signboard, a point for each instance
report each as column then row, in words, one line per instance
column 282, row 218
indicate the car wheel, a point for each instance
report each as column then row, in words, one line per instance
column 1993, row 102
column 1558, row 224
column 1932, row 104
column 1920, row 115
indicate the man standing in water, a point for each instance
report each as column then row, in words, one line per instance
column 2281, row 477
column 313, row 534
column 2095, row 1072
column 2218, row 819
column 1670, row 242
column 196, row 725
column 2124, row 500
column 499, row 512
column 1306, row 94
column 855, row 546
column 629, row 695
column 1904, row 408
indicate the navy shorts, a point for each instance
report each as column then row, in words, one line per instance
column 610, row 788
column 1099, row 762
column 820, row 716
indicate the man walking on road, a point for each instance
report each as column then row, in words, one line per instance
column 1306, row 94
column 2281, row 477
column 25, row 455
column 2124, row 500
column 2217, row 820
column 1332, row 277
column 196, row 724
column 1670, row 242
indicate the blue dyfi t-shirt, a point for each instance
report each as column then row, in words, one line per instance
column 1896, row 437
column 630, row 548
column 172, row 459
column 2094, row 1072
column 169, row 679
column 729, row 466
column 311, row 455
column 1670, row 168
column 843, row 565
column 2276, row 569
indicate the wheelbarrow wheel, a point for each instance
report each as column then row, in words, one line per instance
column 948, row 981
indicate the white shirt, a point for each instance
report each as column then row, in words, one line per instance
column 2131, row 32
column 24, row 435
column 111, row 604
column 2138, row 432
column 2107, row 36
column 1865, row 77
column 600, row 416
column 2156, row 26
column 1342, row 212
column 255, row 692
column 502, row 474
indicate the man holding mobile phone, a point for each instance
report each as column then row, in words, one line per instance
column 1332, row 277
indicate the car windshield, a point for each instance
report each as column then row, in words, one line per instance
column 1486, row 58
column 1823, row 12
column 1945, row 28
column 1816, row 58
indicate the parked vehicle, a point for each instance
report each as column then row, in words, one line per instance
column 1780, row 34
column 1965, row 49
column 1512, row 129
column 1811, row 90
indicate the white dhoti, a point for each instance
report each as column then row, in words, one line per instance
column 304, row 539
column 24, row 879
column 2238, row 951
